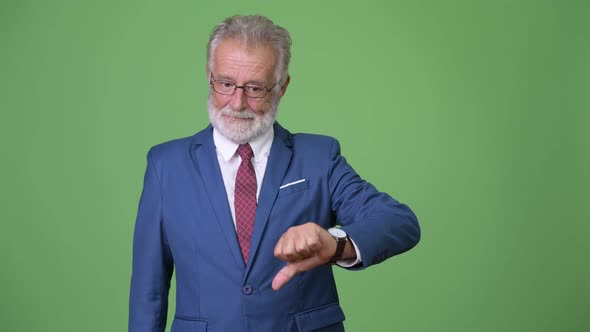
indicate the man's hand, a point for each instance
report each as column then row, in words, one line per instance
column 303, row 247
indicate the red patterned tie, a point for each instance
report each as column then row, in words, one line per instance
column 245, row 199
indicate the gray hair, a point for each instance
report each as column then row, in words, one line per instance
column 252, row 31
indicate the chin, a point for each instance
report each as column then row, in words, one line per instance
column 241, row 130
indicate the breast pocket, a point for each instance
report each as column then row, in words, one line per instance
column 293, row 187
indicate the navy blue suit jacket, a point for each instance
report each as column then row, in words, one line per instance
column 184, row 223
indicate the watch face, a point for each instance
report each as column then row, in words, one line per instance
column 337, row 232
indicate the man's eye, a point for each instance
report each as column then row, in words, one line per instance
column 254, row 88
column 226, row 84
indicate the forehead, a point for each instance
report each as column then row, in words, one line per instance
column 232, row 59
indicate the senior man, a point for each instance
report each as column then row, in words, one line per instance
column 251, row 216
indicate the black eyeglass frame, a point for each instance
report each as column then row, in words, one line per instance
column 213, row 80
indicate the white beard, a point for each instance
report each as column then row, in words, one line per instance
column 240, row 131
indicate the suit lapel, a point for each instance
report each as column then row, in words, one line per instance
column 205, row 160
column 276, row 167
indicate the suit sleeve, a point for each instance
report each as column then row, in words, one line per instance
column 380, row 226
column 152, row 260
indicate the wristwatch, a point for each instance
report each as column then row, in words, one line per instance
column 341, row 239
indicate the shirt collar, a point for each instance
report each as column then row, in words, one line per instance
column 260, row 145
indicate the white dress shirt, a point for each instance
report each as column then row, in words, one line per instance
column 229, row 162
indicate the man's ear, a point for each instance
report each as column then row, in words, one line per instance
column 284, row 86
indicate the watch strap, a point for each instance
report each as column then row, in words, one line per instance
column 340, row 244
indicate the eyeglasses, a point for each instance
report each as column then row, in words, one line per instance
column 226, row 87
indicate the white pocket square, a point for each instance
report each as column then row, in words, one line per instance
column 291, row 183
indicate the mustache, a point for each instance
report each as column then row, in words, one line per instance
column 245, row 114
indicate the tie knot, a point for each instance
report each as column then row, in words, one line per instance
column 245, row 151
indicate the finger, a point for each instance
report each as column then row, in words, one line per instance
column 291, row 247
column 292, row 269
column 313, row 242
column 302, row 247
column 284, row 249
column 290, row 252
column 278, row 252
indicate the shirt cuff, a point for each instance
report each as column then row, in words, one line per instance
column 351, row 262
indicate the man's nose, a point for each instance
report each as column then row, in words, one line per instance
column 239, row 99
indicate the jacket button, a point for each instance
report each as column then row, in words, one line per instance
column 247, row 289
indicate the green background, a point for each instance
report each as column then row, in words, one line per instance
column 474, row 113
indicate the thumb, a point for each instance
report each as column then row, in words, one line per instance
column 294, row 268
